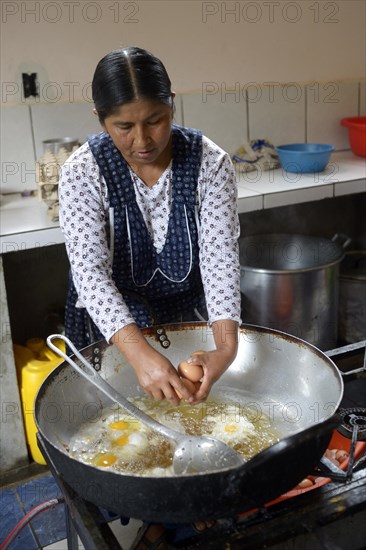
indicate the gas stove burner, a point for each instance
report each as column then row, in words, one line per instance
column 352, row 418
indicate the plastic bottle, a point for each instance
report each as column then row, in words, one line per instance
column 34, row 362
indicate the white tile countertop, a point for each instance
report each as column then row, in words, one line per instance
column 344, row 175
column 24, row 222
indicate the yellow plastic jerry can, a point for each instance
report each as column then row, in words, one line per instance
column 34, row 362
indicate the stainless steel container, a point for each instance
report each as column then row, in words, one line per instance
column 291, row 283
column 352, row 297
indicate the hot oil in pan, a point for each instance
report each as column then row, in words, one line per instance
column 119, row 442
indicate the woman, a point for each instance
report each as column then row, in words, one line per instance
column 148, row 210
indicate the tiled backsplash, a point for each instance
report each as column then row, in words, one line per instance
column 229, row 115
column 222, row 119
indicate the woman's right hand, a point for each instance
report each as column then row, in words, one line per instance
column 156, row 374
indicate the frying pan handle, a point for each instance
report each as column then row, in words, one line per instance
column 91, row 371
column 333, row 353
column 91, row 374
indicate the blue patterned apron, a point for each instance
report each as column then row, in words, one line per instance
column 163, row 287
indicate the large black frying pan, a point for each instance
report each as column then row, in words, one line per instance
column 289, row 379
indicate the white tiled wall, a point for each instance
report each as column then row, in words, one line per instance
column 221, row 117
column 24, row 127
column 281, row 113
column 16, row 150
column 60, row 120
column 327, row 104
column 362, row 98
column 277, row 113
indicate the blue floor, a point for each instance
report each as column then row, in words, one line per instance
column 46, row 528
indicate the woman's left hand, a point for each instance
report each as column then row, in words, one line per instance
column 214, row 363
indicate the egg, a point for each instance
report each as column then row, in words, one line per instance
column 118, row 442
column 191, row 386
column 331, row 455
column 105, row 460
column 341, row 455
column 119, row 425
column 160, row 472
column 104, row 442
column 136, row 447
column 139, row 440
column 130, row 425
column 231, row 428
column 122, row 440
column 194, row 373
column 304, row 484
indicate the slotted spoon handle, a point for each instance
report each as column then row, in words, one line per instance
column 192, row 454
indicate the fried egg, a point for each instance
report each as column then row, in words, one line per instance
column 120, row 443
column 231, row 428
column 110, row 440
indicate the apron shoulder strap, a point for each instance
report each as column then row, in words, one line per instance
column 187, row 155
column 113, row 167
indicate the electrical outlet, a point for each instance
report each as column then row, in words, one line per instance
column 30, row 84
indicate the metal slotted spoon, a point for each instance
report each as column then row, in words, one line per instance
column 192, row 454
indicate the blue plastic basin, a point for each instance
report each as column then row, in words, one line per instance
column 301, row 158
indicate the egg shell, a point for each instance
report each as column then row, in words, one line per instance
column 305, row 483
column 191, row 387
column 341, row 455
column 194, row 373
column 320, row 480
column 331, row 455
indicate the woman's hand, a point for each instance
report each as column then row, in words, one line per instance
column 158, row 377
column 155, row 373
column 214, row 363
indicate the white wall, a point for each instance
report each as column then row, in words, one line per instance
column 281, row 70
column 225, row 42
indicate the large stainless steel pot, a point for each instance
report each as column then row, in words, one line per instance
column 352, row 297
column 297, row 385
column 290, row 283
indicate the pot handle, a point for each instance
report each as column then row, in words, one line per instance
column 333, row 353
column 342, row 239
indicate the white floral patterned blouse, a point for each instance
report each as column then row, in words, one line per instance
column 84, row 209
